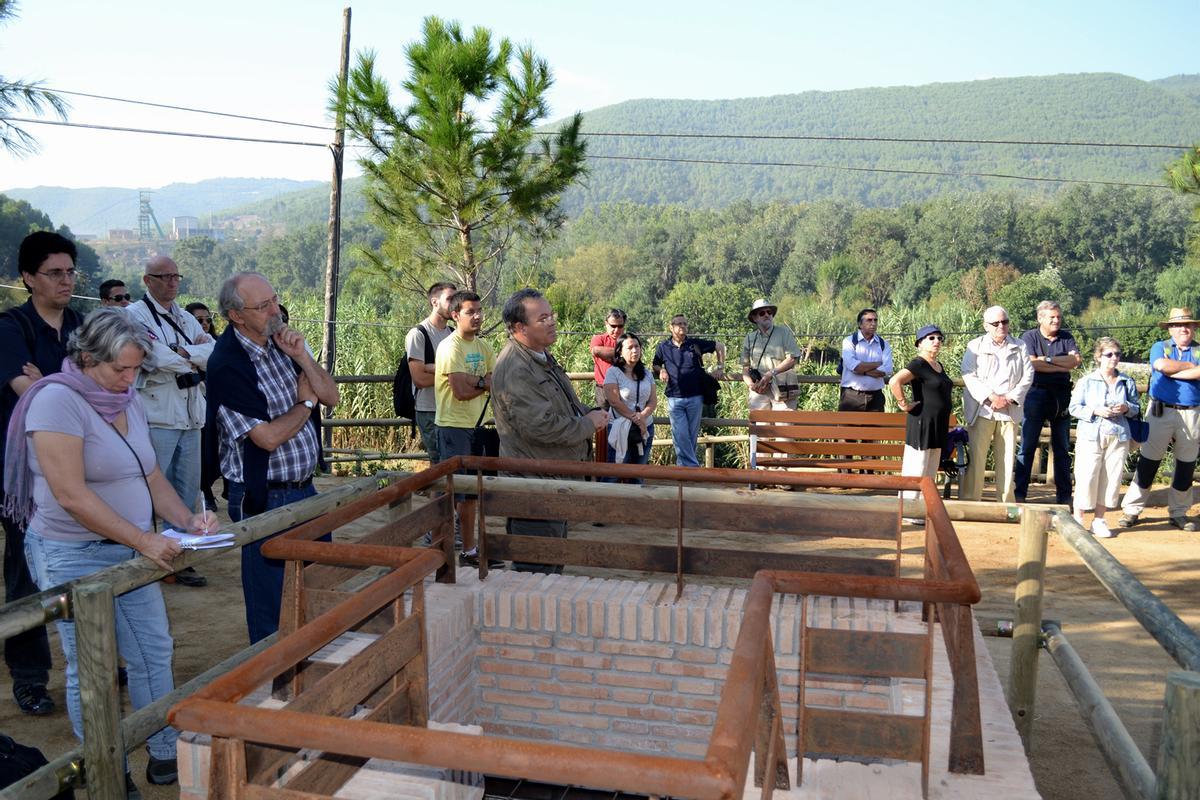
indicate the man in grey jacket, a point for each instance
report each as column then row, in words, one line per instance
column 171, row 391
column 538, row 414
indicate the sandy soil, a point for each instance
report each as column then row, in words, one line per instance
column 208, row 625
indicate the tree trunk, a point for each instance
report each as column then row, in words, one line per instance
column 469, row 266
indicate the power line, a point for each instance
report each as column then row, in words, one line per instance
column 887, row 170
column 187, row 134
column 187, row 108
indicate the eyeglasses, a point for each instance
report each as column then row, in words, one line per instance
column 58, row 274
column 203, row 320
column 679, row 324
column 1110, row 355
column 273, row 300
column 120, row 298
column 547, row 319
column 997, row 323
column 169, row 277
column 616, row 324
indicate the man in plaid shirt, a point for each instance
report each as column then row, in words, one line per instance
column 263, row 391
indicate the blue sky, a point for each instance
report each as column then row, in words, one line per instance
column 274, row 59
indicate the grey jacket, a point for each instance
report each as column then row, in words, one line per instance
column 538, row 414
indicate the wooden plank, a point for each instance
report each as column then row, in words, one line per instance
column 834, row 733
column 874, row 433
column 327, row 773
column 318, row 601
column 805, row 447
column 256, row 792
column 875, row 654
column 343, row 688
column 874, row 465
column 227, row 769
column 1179, row 753
column 659, row 558
column 767, row 516
column 966, row 733
column 96, row 632
column 1027, row 630
column 830, row 417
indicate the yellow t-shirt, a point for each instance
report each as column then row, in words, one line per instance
column 456, row 354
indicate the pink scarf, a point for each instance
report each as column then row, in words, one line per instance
column 18, row 477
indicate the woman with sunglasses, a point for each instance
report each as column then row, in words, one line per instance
column 1104, row 401
column 928, row 411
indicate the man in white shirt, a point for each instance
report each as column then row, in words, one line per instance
column 997, row 374
column 172, row 391
column 866, row 366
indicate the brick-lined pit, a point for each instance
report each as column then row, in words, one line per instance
column 620, row 664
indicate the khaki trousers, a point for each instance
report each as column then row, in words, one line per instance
column 986, row 433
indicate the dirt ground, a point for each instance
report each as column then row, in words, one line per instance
column 208, row 625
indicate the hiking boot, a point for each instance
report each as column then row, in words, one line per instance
column 471, row 559
column 1127, row 520
column 131, row 790
column 33, row 700
column 1183, row 523
column 1101, row 530
column 162, row 771
column 189, row 577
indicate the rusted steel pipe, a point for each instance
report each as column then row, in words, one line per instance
column 286, row 653
column 690, row 475
column 552, row 763
column 734, row 730
column 325, row 523
column 873, row 587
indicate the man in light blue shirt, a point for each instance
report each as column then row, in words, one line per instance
column 866, row 365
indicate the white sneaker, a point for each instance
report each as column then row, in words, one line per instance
column 1101, row 530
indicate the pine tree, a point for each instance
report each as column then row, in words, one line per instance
column 19, row 96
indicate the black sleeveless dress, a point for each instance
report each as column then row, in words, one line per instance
column 929, row 422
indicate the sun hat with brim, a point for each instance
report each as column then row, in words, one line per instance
column 759, row 305
column 926, row 331
column 1179, row 316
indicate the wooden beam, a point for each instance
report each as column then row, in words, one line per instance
column 830, row 732
column 874, row 654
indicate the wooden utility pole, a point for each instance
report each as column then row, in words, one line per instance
column 333, row 261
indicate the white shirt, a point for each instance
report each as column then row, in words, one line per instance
column 865, row 350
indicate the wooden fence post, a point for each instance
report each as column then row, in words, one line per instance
column 1027, row 627
column 96, row 655
column 1178, row 771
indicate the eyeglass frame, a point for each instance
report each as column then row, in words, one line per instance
column 263, row 306
column 166, row 276
column 57, row 275
column 119, row 297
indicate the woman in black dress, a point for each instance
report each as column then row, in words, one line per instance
column 929, row 410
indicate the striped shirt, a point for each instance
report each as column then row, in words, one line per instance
column 295, row 459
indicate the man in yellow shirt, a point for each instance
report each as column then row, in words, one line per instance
column 462, row 388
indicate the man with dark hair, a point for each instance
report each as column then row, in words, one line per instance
column 33, row 343
column 263, row 391
column 114, row 293
column 1053, row 353
column 538, row 414
column 866, row 365
column 603, row 351
column 463, row 377
column 420, row 347
column 679, row 363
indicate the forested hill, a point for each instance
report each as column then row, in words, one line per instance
column 1087, row 107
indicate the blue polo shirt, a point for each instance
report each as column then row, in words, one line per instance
column 1041, row 346
column 1173, row 390
column 684, row 365
column 49, row 350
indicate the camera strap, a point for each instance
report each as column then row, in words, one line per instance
column 159, row 318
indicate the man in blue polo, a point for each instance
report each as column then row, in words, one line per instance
column 1053, row 352
column 1174, row 419
column 679, row 363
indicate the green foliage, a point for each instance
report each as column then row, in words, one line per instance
column 1179, row 286
column 450, row 189
column 709, row 308
column 19, row 97
column 1020, row 298
column 17, row 220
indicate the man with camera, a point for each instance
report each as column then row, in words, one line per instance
column 171, row 390
column 1174, row 420
column 769, row 352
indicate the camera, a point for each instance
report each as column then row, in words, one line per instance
column 190, row 379
column 755, row 375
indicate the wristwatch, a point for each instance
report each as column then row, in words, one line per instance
column 309, row 404
column 480, row 384
column 1049, row 359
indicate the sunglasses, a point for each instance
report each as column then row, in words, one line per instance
column 998, row 323
column 119, row 298
column 935, row 337
column 765, row 312
column 1110, row 355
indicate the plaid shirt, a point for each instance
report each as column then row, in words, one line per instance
column 295, row 459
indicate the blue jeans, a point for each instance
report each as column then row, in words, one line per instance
column 1046, row 405
column 143, row 633
column 685, row 427
column 178, row 454
column 262, row 578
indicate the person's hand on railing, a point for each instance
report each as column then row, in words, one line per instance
column 158, row 548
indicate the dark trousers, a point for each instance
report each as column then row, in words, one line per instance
column 554, row 528
column 27, row 654
column 1046, row 405
column 262, row 578
column 854, row 400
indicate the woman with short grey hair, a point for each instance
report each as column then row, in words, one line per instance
column 80, row 472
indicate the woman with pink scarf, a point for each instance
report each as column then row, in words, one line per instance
column 80, row 470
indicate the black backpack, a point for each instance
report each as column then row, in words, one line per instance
column 17, row 761
column 404, row 391
column 854, row 342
